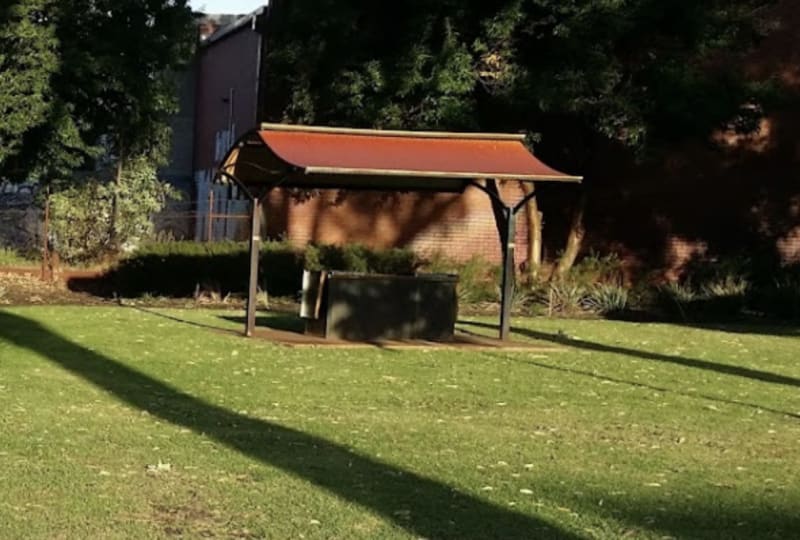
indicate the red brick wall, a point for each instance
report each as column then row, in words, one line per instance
column 460, row 226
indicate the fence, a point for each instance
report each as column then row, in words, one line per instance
column 24, row 226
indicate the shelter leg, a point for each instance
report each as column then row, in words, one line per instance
column 255, row 252
column 508, row 274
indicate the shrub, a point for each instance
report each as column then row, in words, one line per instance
column 185, row 269
column 478, row 278
column 358, row 258
column 565, row 299
column 595, row 268
column 181, row 269
column 12, row 257
column 780, row 296
column 606, row 299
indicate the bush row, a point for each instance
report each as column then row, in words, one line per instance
column 710, row 291
column 183, row 269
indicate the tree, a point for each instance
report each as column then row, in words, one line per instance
column 575, row 75
column 27, row 62
column 123, row 56
column 102, row 70
column 89, row 85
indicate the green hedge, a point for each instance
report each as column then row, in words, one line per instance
column 179, row 269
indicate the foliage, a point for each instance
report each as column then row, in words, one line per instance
column 606, row 299
column 780, row 298
column 359, row 258
column 122, row 56
column 180, row 269
column 477, row 278
column 28, row 59
column 86, row 79
column 89, row 218
column 578, row 77
column 563, row 298
column 623, row 69
column 732, row 288
column 12, row 257
column 597, row 269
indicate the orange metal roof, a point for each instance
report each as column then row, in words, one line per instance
column 306, row 157
column 332, row 151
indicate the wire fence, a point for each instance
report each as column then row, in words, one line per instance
column 26, row 236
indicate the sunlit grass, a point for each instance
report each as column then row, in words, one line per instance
column 121, row 423
column 10, row 257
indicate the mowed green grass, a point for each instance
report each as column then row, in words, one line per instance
column 119, row 423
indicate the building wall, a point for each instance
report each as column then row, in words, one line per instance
column 226, row 108
column 459, row 226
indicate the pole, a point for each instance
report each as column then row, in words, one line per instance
column 255, row 252
column 46, row 237
column 508, row 273
column 210, row 225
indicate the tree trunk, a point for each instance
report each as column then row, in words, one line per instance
column 577, row 232
column 114, row 232
column 535, row 225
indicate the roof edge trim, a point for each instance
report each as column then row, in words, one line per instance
column 394, row 133
column 439, row 174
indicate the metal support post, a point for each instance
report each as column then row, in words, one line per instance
column 210, row 222
column 255, row 253
column 508, row 273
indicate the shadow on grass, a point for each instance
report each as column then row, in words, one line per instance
column 277, row 321
column 195, row 324
column 760, row 328
column 419, row 505
column 754, row 374
column 599, row 377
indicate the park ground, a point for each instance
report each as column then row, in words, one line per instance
column 118, row 422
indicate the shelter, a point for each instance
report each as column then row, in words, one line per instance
column 303, row 157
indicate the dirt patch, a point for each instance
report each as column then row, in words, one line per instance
column 25, row 288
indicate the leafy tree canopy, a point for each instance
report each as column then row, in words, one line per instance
column 84, row 75
column 633, row 71
column 27, row 62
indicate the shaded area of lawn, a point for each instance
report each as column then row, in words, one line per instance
column 725, row 369
column 435, row 510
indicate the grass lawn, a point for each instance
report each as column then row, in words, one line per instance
column 118, row 423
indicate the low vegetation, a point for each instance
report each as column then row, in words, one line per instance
column 598, row 286
column 12, row 257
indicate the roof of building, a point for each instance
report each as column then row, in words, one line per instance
column 230, row 24
column 338, row 158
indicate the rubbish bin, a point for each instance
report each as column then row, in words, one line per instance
column 374, row 307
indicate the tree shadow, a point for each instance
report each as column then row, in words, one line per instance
column 419, row 505
column 276, row 321
column 695, row 363
column 606, row 378
column 778, row 329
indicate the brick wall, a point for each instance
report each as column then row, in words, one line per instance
column 460, row 226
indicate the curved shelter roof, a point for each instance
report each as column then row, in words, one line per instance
column 338, row 158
